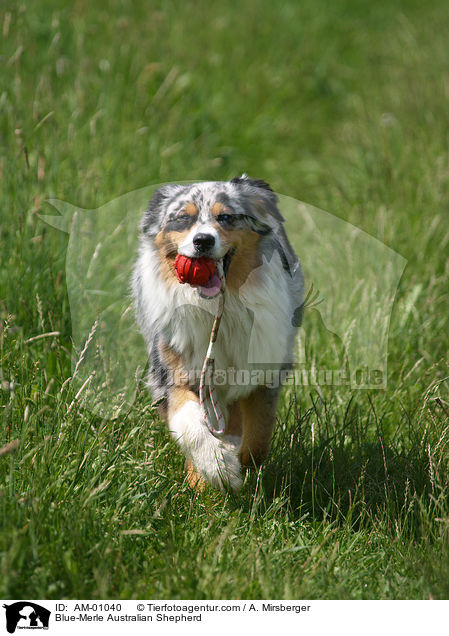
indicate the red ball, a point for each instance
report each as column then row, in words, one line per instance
column 195, row 271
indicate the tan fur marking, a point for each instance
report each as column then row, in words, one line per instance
column 178, row 396
column 175, row 362
column 246, row 257
column 194, row 479
column 258, row 417
column 191, row 209
column 218, row 208
column 167, row 244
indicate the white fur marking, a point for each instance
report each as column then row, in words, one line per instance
column 214, row 459
column 187, row 248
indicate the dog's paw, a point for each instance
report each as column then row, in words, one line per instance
column 219, row 465
column 216, row 460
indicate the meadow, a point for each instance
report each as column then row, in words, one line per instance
column 342, row 105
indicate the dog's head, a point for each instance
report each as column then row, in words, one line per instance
column 230, row 222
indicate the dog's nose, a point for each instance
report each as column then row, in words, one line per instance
column 203, row 242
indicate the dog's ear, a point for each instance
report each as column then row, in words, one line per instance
column 266, row 219
column 261, row 203
column 155, row 212
column 256, row 183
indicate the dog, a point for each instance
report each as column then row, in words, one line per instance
column 238, row 225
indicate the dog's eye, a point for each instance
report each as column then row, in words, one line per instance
column 225, row 219
column 179, row 223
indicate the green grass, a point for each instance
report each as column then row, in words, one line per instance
column 342, row 105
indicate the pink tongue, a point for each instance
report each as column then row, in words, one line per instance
column 212, row 287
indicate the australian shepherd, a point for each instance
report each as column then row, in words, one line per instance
column 238, row 225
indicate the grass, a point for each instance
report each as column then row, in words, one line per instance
column 342, row 105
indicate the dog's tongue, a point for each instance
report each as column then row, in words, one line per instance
column 212, row 287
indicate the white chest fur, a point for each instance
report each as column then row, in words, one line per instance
column 255, row 328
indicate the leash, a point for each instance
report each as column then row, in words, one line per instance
column 210, row 406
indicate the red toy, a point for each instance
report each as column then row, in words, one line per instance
column 195, row 271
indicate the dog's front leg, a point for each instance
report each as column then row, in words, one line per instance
column 213, row 460
column 258, row 414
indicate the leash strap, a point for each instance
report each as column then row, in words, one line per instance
column 210, row 406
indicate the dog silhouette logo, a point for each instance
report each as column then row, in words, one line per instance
column 26, row 615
